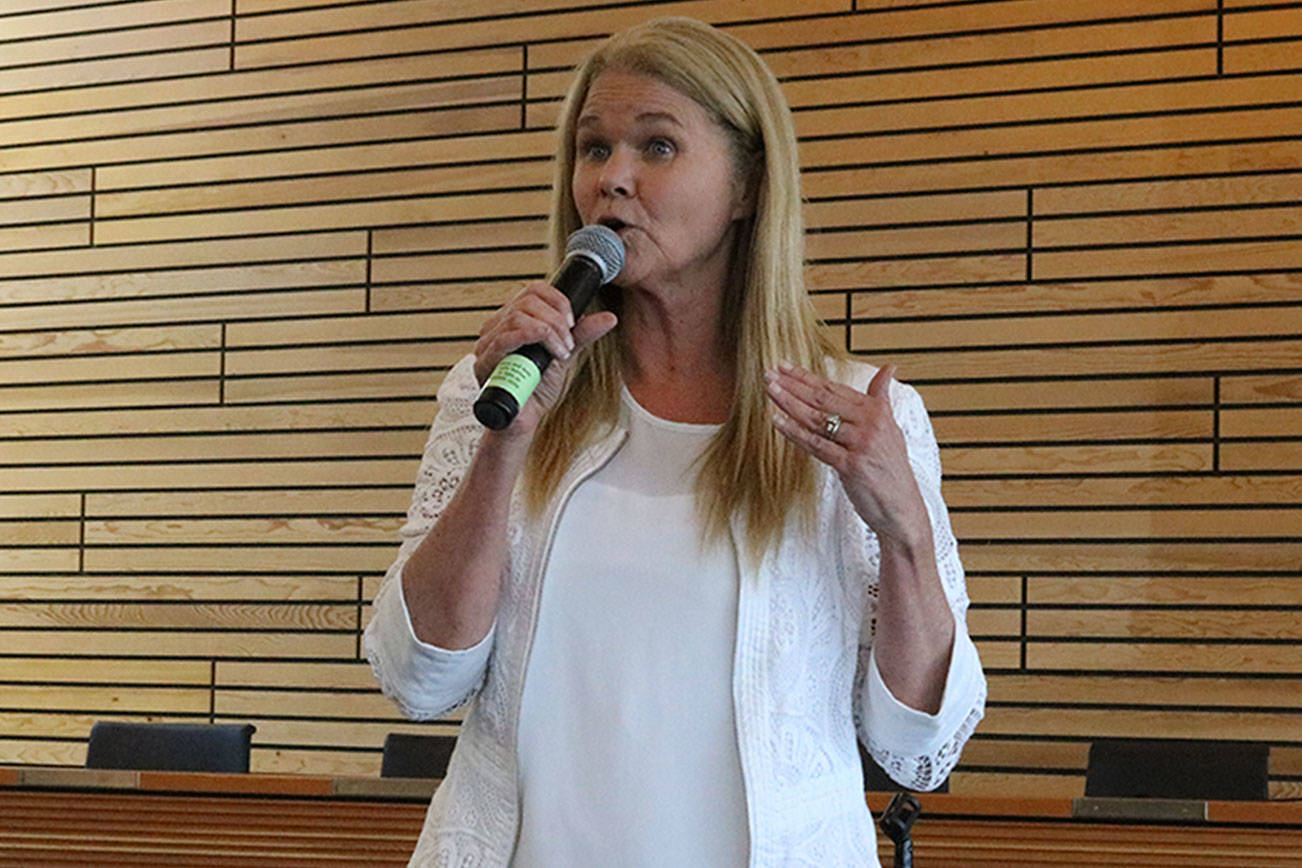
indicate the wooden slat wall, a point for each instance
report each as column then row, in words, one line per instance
column 241, row 241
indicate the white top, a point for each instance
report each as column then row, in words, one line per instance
column 627, row 741
column 804, row 678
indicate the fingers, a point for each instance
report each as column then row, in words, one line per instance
column 880, row 387
column 827, row 451
column 809, row 399
column 593, row 326
column 540, row 313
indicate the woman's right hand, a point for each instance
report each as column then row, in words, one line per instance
column 539, row 313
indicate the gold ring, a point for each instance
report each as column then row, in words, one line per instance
column 831, row 424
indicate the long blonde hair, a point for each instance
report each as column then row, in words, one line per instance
column 748, row 469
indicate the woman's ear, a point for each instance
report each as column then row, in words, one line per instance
column 746, row 190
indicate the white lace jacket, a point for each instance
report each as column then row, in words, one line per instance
column 804, row 677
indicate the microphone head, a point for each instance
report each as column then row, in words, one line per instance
column 601, row 245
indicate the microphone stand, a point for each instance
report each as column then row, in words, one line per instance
column 896, row 822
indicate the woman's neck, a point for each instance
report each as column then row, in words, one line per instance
column 676, row 361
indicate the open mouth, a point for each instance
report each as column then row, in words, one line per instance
column 612, row 223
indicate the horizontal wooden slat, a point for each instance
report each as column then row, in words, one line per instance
column 336, row 187
column 332, row 444
column 1223, row 489
column 348, row 676
column 186, row 643
column 260, row 703
column 167, row 366
column 1033, row 460
column 1157, row 358
column 290, row 134
column 1256, row 389
column 58, row 235
column 1135, row 556
column 45, row 210
column 1140, row 724
column 59, row 397
column 1280, row 422
column 197, row 474
column 277, row 33
column 1154, row 424
column 1173, row 624
column 181, row 587
column 348, row 559
column 1145, row 392
column 242, row 530
column 92, row 423
column 251, row 502
column 1169, row 195
column 152, row 700
column 1265, row 57
column 41, row 23
column 1241, row 659
column 1107, row 690
column 39, row 505
column 135, row 672
column 854, row 172
column 113, row 70
column 344, row 387
column 1151, row 229
column 1070, row 329
column 43, row 533
column 1128, row 523
column 1286, row 455
column 114, row 43
column 108, row 616
column 1154, row 590
column 1094, row 296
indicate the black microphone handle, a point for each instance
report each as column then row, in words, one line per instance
column 518, row 374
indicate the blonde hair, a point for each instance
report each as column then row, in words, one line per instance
column 748, row 469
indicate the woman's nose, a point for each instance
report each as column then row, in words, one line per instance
column 618, row 175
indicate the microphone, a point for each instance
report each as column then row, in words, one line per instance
column 594, row 255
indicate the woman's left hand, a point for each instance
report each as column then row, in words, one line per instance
column 866, row 449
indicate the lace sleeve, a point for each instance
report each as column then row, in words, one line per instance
column 917, row 749
column 426, row 681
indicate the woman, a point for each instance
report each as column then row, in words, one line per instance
column 713, row 543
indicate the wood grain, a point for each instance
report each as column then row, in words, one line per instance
column 241, row 244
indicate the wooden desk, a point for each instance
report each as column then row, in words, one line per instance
column 968, row 832
column 85, row 817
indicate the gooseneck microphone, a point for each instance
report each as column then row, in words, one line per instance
column 594, row 255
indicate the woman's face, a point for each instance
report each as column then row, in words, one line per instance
column 652, row 164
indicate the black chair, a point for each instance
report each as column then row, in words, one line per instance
column 875, row 778
column 416, row 756
column 1177, row 769
column 173, row 747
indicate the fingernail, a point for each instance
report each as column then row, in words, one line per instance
column 770, row 376
column 786, row 366
column 569, row 317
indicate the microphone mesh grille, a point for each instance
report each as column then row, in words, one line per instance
column 600, row 244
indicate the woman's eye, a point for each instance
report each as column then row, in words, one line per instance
column 593, row 150
column 661, row 147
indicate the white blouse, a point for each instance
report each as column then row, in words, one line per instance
column 627, row 741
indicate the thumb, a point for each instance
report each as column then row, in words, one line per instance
column 881, row 382
column 592, row 326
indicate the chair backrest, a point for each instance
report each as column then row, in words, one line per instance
column 416, row 756
column 876, row 780
column 1177, row 769
column 179, row 747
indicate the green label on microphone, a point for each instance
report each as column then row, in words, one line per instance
column 516, row 374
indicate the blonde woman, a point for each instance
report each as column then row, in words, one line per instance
column 710, row 551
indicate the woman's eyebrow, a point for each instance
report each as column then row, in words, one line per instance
column 589, row 120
